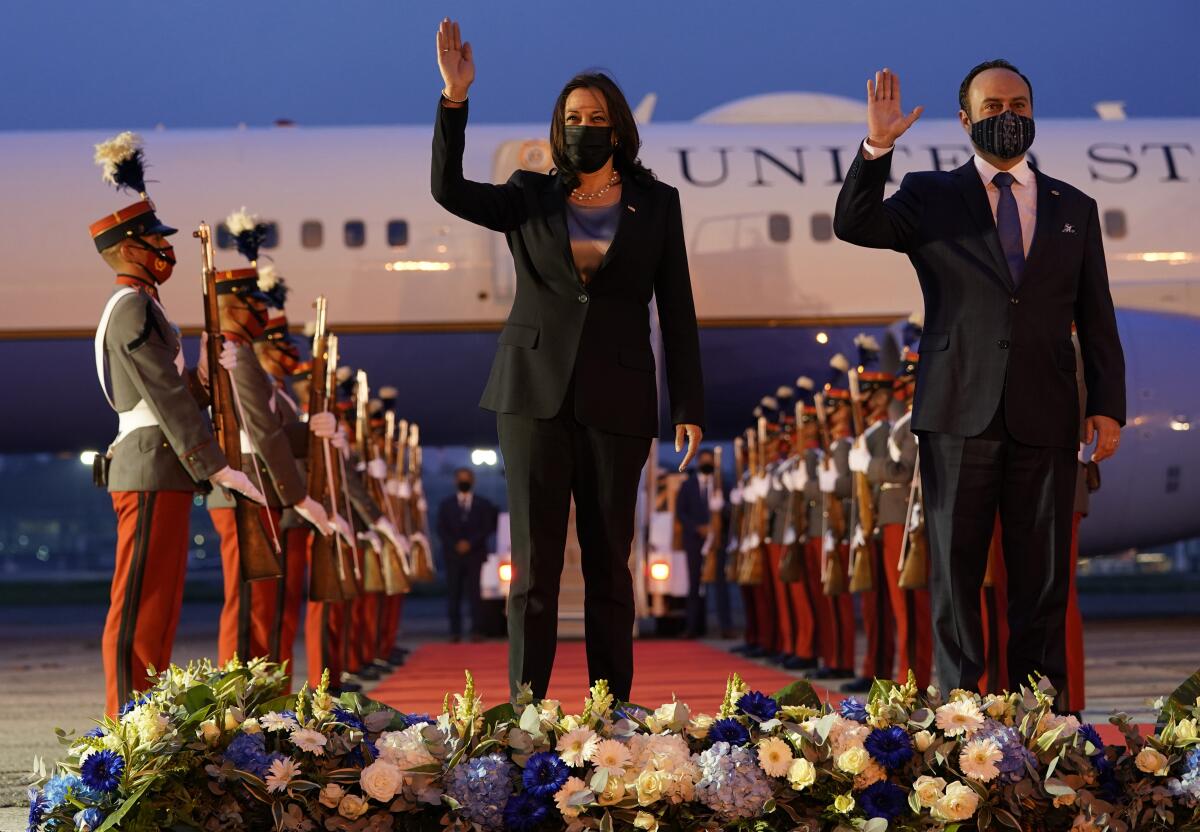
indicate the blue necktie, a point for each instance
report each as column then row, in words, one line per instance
column 1008, row 226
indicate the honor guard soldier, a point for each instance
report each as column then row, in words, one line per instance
column 878, row 615
column 164, row 450
column 249, row 614
column 834, row 481
column 814, row 536
column 794, row 568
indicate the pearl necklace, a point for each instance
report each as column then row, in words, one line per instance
column 582, row 197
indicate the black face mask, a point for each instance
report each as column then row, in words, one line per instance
column 1005, row 136
column 707, row 468
column 587, row 148
column 464, row 486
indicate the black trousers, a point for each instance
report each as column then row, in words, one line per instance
column 966, row 481
column 547, row 461
column 697, row 619
column 462, row 584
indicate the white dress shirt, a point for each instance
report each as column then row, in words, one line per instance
column 464, row 502
column 1024, row 189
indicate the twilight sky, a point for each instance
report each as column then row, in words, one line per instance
column 215, row 63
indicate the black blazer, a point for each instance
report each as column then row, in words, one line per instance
column 692, row 511
column 558, row 327
column 478, row 525
column 983, row 338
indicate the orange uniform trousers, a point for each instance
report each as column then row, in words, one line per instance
column 796, row 622
column 249, row 624
column 879, row 620
column 835, row 613
column 914, row 618
column 147, row 589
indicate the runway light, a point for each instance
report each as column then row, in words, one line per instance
column 88, row 457
column 660, row 570
column 1179, row 424
column 1171, row 258
column 417, row 266
column 822, row 338
column 505, row 573
column 483, row 456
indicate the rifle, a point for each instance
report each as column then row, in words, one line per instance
column 708, row 573
column 914, row 548
column 799, row 501
column 383, row 572
column 750, row 566
column 422, row 552
column 861, row 573
column 327, row 571
column 340, row 497
column 258, row 556
column 792, row 564
column 833, row 518
column 736, row 513
column 391, row 455
column 372, row 572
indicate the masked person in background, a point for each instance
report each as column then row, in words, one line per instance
column 573, row 382
column 465, row 522
column 1007, row 258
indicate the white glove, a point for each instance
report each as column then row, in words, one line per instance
column 828, row 478
column 760, row 486
column 239, row 482
column 392, row 487
column 716, row 503
column 384, row 527
column 228, row 356
column 422, row 505
column 339, row 440
column 789, row 535
column 314, row 513
column 860, row 538
column 860, row 459
column 375, row 540
column 735, row 496
column 343, row 528
column 828, row 544
column 404, row 491
column 893, row 450
column 799, row 477
column 323, row 425
column 377, row 469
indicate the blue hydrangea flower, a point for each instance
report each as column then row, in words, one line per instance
column 482, row 786
column 1189, row 782
column 524, row 812
column 892, row 747
column 350, row 720
column 88, row 820
column 758, row 705
column 852, row 709
column 545, row 774
column 60, row 785
column 731, row 782
column 883, row 800
column 102, row 770
column 37, row 807
column 728, row 731
column 248, row 752
column 1016, row 755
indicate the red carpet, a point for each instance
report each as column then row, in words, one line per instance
column 692, row 670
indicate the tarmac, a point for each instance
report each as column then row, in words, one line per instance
column 51, row 677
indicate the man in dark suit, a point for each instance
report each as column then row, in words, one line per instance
column 465, row 522
column 1007, row 258
column 699, row 497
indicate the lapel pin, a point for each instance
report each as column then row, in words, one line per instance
column 1068, row 229
column 1054, row 193
column 632, row 210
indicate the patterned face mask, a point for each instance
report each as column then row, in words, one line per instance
column 1005, row 136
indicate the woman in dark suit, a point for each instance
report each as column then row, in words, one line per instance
column 573, row 382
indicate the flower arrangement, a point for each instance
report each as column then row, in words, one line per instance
column 220, row 749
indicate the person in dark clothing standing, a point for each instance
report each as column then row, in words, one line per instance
column 465, row 521
column 573, row 384
column 699, row 498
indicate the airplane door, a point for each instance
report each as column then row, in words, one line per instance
column 516, row 154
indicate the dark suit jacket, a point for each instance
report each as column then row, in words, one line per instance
column 476, row 527
column 558, row 327
column 692, row 511
column 984, row 338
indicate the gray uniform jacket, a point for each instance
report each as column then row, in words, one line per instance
column 180, row 452
column 877, row 446
column 812, row 493
column 778, row 500
column 845, row 482
column 265, row 425
column 894, row 478
column 297, row 434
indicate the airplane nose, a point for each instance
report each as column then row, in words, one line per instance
column 1150, row 491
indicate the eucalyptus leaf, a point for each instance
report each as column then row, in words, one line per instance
column 799, row 692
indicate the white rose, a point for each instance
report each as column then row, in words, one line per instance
column 922, row 740
column 1186, row 730
column 929, row 789
column 332, row 795
column 801, row 774
column 853, row 760
column 251, row 726
column 381, row 780
column 1151, row 761
column 650, row 787
column 958, row 803
column 353, row 807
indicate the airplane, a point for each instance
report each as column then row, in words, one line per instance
column 418, row 295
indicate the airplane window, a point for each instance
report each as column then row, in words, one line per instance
column 355, row 233
column 1115, row 225
column 822, row 227
column 312, row 234
column 224, row 238
column 779, row 228
column 397, row 233
column 271, row 238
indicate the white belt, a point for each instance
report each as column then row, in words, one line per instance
column 140, row 416
column 245, row 440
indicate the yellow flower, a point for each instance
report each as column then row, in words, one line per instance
column 699, row 726
column 251, row 726
column 929, row 789
column 853, row 760
column 774, row 756
column 209, row 732
column 801, row 774
column 231, row 719
column 844, row 803
column 650, row 786
column 922, row 740
column 352, row 807
column 646, row 821
column 1151, row 761
column 1185, row 730
column 614, row 790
